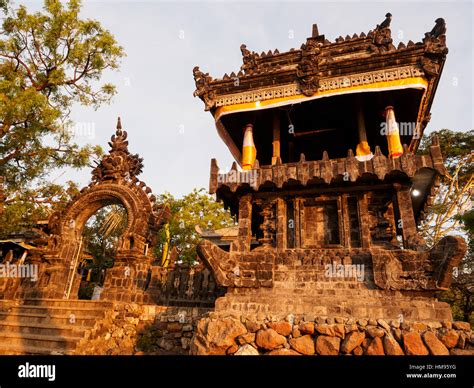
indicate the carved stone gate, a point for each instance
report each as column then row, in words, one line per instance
column 114, row 181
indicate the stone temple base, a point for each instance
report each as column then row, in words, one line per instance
column 407, row 305
column 255, row 334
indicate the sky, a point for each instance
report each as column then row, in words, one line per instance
column 169, row 128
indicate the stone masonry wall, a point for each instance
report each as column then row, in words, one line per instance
column 132, row 329
column 233, row 334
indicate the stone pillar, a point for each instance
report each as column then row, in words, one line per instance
column 268, row 226
column 346, row 224
column 126, row 280
column 364, row 221
column 407, row 217
column 52, row 278
column 281, row 224
column 297, row 223
column 245, row 225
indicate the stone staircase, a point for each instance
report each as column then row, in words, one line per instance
column 46, row 326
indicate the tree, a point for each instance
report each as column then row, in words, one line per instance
column 455, row 192
column 49, row 61
column 196, row 208
column 452, row 213
column 101, row 234
column 4, row 5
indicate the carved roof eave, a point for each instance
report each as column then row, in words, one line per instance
column 326, row 171
column 363, row 63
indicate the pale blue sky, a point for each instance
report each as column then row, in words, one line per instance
column 165, row 40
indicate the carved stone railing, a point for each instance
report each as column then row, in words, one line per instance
column 327, row 170
column 183, row 285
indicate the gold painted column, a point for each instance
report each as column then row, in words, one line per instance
column 395, row 148
column 363, row 151
column 249, row 152
column 276, row 137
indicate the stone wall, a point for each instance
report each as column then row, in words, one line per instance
column 233, row 334
column 132, row 329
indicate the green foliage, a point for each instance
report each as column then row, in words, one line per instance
column 34, row 204
column 4, row 5
column 455, row 193
column 102, row 232
column 455, row 147
column 49, row 61
column 195, row 209
column 452, row 213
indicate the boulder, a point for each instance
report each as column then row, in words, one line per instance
column 375, row 347
column 269, row 339
column 449, row 338
column 391, row 346
column 336, row 330
column 434, row 345
column 374, row 331
column 328, row 346
column 306, row 327
column 303, row 345
column 383, row 323
column 413, row 345
column 459, row 325
column 246, row 350
column 247, row 338
column 283, row 352
column 214, row 337
column 253, row 326
column 283, row 328
column 352, row 340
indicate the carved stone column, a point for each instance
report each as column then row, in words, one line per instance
column 245, row 225
column 268, row 226
column 407, row 217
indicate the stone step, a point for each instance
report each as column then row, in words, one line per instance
column 63, row 343
column 58, row 319
column 46, row 326
column 64, row 310
column 67, row 302
column 16, row 350
column 47, row 329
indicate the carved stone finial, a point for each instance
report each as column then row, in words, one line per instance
column 118, row 164
column 315, row 31
column 435, row 49
column 382, row 38
column 203, row 89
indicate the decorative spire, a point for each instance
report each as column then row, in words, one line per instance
column 118, row 164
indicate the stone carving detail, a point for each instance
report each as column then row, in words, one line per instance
column 203, row 89
column 435, row 49
column 307, row 70
column 268, row 226
column 249, row 65
column 411, row 270
column 383, row 37
column 119, row 164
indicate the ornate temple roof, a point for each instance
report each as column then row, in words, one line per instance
column 362, row 62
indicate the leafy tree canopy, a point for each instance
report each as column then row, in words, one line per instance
column 194, row 209
column 49, row 61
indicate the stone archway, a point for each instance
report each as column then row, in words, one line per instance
column 114, row 181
